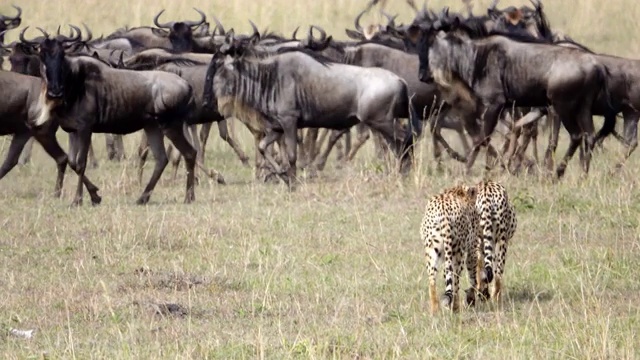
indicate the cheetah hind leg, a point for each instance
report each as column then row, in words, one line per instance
column 483, row 286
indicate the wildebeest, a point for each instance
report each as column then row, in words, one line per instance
column 497, row 71
column 85, row 96
column 21, row 103
column 175, row 35
column 191, row 67
column 8, row 23
column 25, row 60
column 296, row 90
column 426, row 97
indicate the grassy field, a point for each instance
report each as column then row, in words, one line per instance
column 333, row 270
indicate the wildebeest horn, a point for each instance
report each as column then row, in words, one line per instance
column 390, row 19
column 412, row 4
column 219, row 26
column 255, row 29
column 89, row 33
column 121, row 60
column 493, row 5
column 357, row 21
column 46, row 34
column 76, row 38
column 295, row 32
column 203, row 18
column 160, row 25
column 25, row 41
column 323, row 34
column 6, row 18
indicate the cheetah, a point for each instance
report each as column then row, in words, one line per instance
column 449, row 228
column 497, row 225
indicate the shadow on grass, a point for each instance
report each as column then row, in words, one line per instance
column 520, row 293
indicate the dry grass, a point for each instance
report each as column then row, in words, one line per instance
column 334, row 270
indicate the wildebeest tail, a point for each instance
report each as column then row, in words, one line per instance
column 415, row 122
column 603, row 80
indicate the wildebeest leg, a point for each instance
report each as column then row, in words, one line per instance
column 437, row 140
column 80, row 142
column 291, row 148
column 333, row 139
column 630, row 134
column 585, row 121
column 205, row 130
column 223, row 131
column 490, row 122
column 572, row 125
column 18, row 142
column 115, row 147
column 119, row 145
column 363, row 134
column 379, row 145
column 155, row 140
column 607, row 128
column 47, row 138
column 308, row 148
column 321, row 139
column 347, row 146
column 92, row 156
column 174, row 159
column 554, row 134
column 269, row 138
column 25, row 155
column 143, row 152
column 176, row 134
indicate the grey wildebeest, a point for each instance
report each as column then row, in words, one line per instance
column 24, row 59
column 175, row 35
column 85, row 96
column 191, row 67
column 7, row 23
column 426, row 98
column 494, row 72
column 295, row 90
column 20, row 104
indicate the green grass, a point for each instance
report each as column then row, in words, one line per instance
column 333, row 270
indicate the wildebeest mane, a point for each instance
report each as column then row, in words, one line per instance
column 570, row 41
column 522, row 37
column 323, row 60
column 256, row 84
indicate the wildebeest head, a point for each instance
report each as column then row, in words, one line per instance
column 54, row 68
column 181, row 32
column 7, row 23
column 24, row 59
column 421, row 36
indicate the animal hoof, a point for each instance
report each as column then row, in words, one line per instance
column 143, row 200
column 189, row 199
column 220, row 180
column 245, row 162
column 96, row 200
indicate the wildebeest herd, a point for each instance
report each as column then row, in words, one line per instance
column 465, row 72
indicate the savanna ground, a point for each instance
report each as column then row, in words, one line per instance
column 333, row 270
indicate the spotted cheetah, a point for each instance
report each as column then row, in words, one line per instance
column 497, row 225
column 449, row 228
